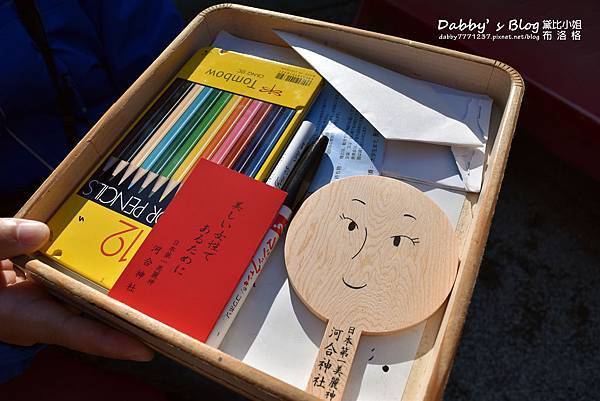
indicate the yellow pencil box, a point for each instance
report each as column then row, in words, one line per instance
column 99, row 228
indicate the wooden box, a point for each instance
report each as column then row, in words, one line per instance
column 438, row 343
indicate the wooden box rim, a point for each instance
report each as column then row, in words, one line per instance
column 430, row 370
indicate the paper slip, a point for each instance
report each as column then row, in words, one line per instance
column 355, row 148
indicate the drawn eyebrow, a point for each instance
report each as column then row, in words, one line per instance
column 358, row 200
column 410, row 215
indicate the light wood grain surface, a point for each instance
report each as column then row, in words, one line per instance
column 368, row 255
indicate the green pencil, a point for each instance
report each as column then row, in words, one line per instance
column 179, row 153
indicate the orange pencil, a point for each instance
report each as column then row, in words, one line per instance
column 212, row 148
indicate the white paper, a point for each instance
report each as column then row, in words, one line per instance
column 355, row 147
column 422, row 162
column 227, row 41
column 399, row 107
column 358, row 149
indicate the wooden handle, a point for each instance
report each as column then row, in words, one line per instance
column 332, row 367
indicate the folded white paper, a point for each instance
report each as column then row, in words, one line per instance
column 408, row 113
column 399, row 107
column 422, row 162
column 356, row 148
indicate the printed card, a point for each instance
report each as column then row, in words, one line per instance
column 186, row 269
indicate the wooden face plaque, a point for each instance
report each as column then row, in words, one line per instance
column 368, row 255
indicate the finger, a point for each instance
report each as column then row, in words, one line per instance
column 7, row 277
column 19, row 236
column 6, row 265
column 9, row 274
column 29, row 316
column 92, row 337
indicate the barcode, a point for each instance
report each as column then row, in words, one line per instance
column 293, row 79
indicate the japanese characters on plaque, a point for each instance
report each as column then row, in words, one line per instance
column 336, row 361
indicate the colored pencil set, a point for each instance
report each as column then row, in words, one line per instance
column 235, row 110
column 190, row 121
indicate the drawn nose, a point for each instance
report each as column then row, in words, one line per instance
column 363, row 243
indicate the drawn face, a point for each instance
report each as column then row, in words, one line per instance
column 375, row 245
column 362, row 233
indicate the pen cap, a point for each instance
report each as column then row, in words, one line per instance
column 299, row 180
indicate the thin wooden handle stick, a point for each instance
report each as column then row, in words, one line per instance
column 332, row 367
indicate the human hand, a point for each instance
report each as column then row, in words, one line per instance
column 29, row 315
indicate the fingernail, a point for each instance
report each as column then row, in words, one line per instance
column 32, row 233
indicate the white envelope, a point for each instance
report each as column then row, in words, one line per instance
column 399, row 107
column 414, row 116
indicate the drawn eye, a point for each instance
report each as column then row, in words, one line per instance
column 398, row 239
column 351, row 225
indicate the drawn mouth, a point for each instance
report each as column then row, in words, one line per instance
column 352, row 286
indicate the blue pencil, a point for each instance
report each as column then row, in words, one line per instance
column 267, row 146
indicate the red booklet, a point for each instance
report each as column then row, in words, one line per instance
column 190, row 263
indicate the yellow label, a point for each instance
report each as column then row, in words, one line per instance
column 94, row 241
column 265, row 80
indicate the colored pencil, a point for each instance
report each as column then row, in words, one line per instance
column 188, row 145
column 188, row 115
column 237, row 150
column 189, row 121
column 224, row 133
column 266, row 148
column 180, row 140
column 236, row 132
column 213, row 147
column 265, row 130
column 148, row 123
column 160, row 133
column 274, row 149
column 198, row 150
